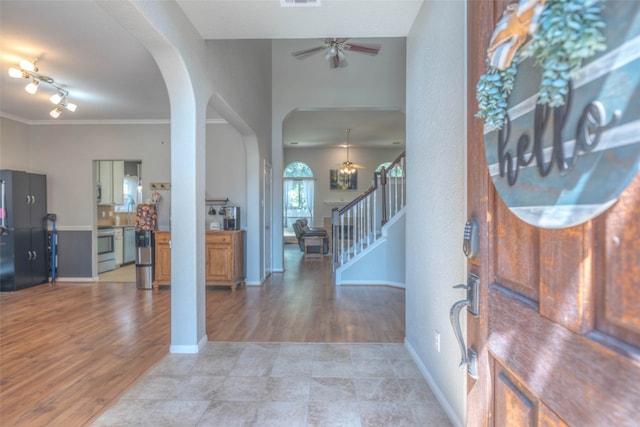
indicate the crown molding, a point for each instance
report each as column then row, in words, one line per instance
column 100, row 122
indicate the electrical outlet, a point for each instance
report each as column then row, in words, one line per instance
column 437, row 341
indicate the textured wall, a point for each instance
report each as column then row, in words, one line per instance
column 436, row 200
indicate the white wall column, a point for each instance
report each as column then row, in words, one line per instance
column 181, row 56
column 188, row 329
column 436, row 196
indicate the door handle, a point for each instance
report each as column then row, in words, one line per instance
column 469, row 357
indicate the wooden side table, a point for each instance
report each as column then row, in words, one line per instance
column 311, row 241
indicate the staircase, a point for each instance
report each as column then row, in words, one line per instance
column 368, row 234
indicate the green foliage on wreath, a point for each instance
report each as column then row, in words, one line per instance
column 569, row 32
column 493, row 89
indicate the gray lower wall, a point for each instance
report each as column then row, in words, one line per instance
column 74, row 253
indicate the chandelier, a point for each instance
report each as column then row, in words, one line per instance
column 29, row 70
column 348, row 167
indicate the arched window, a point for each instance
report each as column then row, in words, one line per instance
column 298, row 194
column 396, row 172
column 297, row 170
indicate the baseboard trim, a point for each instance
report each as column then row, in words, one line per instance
column 190, row 349
column 253, row 283
column 453, row 417
column 372, row 283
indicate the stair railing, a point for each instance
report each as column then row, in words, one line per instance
column 358, row 224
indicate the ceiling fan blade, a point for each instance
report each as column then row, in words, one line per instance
column 369, row 49
column 307, row 52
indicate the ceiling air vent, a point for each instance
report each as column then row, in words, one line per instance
column 300, row 3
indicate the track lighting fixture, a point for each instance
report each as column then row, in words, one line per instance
column 29, row 70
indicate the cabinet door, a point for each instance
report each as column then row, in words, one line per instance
column 117, row 189
column 39, row 255
column 220, row 263
column 129, row 252
column 22, row 258
column 106, row 181
column 163, row 262
column 20, row 196
column 38, row 206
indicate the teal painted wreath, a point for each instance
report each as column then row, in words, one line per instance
column 565, row 33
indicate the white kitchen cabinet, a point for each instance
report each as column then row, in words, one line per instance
column 105, row 172
column 111, row 179
column 129, row 245
column 118, row 182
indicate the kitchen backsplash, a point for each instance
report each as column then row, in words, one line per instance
column 107, row 217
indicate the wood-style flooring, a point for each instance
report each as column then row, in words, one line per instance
column 69, row 350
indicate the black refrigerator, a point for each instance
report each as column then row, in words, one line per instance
column 23, row 230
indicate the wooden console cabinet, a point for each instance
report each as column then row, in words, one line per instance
column 162, row 266
column 223, row 254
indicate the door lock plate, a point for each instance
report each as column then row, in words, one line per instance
column 473, row 294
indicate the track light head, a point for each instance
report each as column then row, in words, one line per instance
column 55, row 113
column 69, row 106
column 29, row 66
column 32, row 87
column 17, row 73
column 57, row 98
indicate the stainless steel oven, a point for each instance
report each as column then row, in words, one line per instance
column 106, row 249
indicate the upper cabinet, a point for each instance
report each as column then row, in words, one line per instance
column 110, row 182
column 105, row 184
column 118, row 180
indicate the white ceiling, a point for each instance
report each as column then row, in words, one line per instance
column 327, row 128
column 267, row 19
column 112, row 77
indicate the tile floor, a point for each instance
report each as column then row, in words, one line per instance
column 281, row 384
column 121, row 274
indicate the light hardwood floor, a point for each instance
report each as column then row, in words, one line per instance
column 69, row 350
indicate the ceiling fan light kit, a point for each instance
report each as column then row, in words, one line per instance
column 29, row 70
column 335, row 48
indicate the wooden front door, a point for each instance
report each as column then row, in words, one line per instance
column 558, row 334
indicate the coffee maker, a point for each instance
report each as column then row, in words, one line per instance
column 231, row 219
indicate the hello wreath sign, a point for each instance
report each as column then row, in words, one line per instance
column 561, row 107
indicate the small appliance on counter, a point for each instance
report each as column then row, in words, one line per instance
column 231, row 219
column 146, row 223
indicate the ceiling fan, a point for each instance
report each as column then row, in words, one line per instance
column 335, row 51
column 348, row 167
